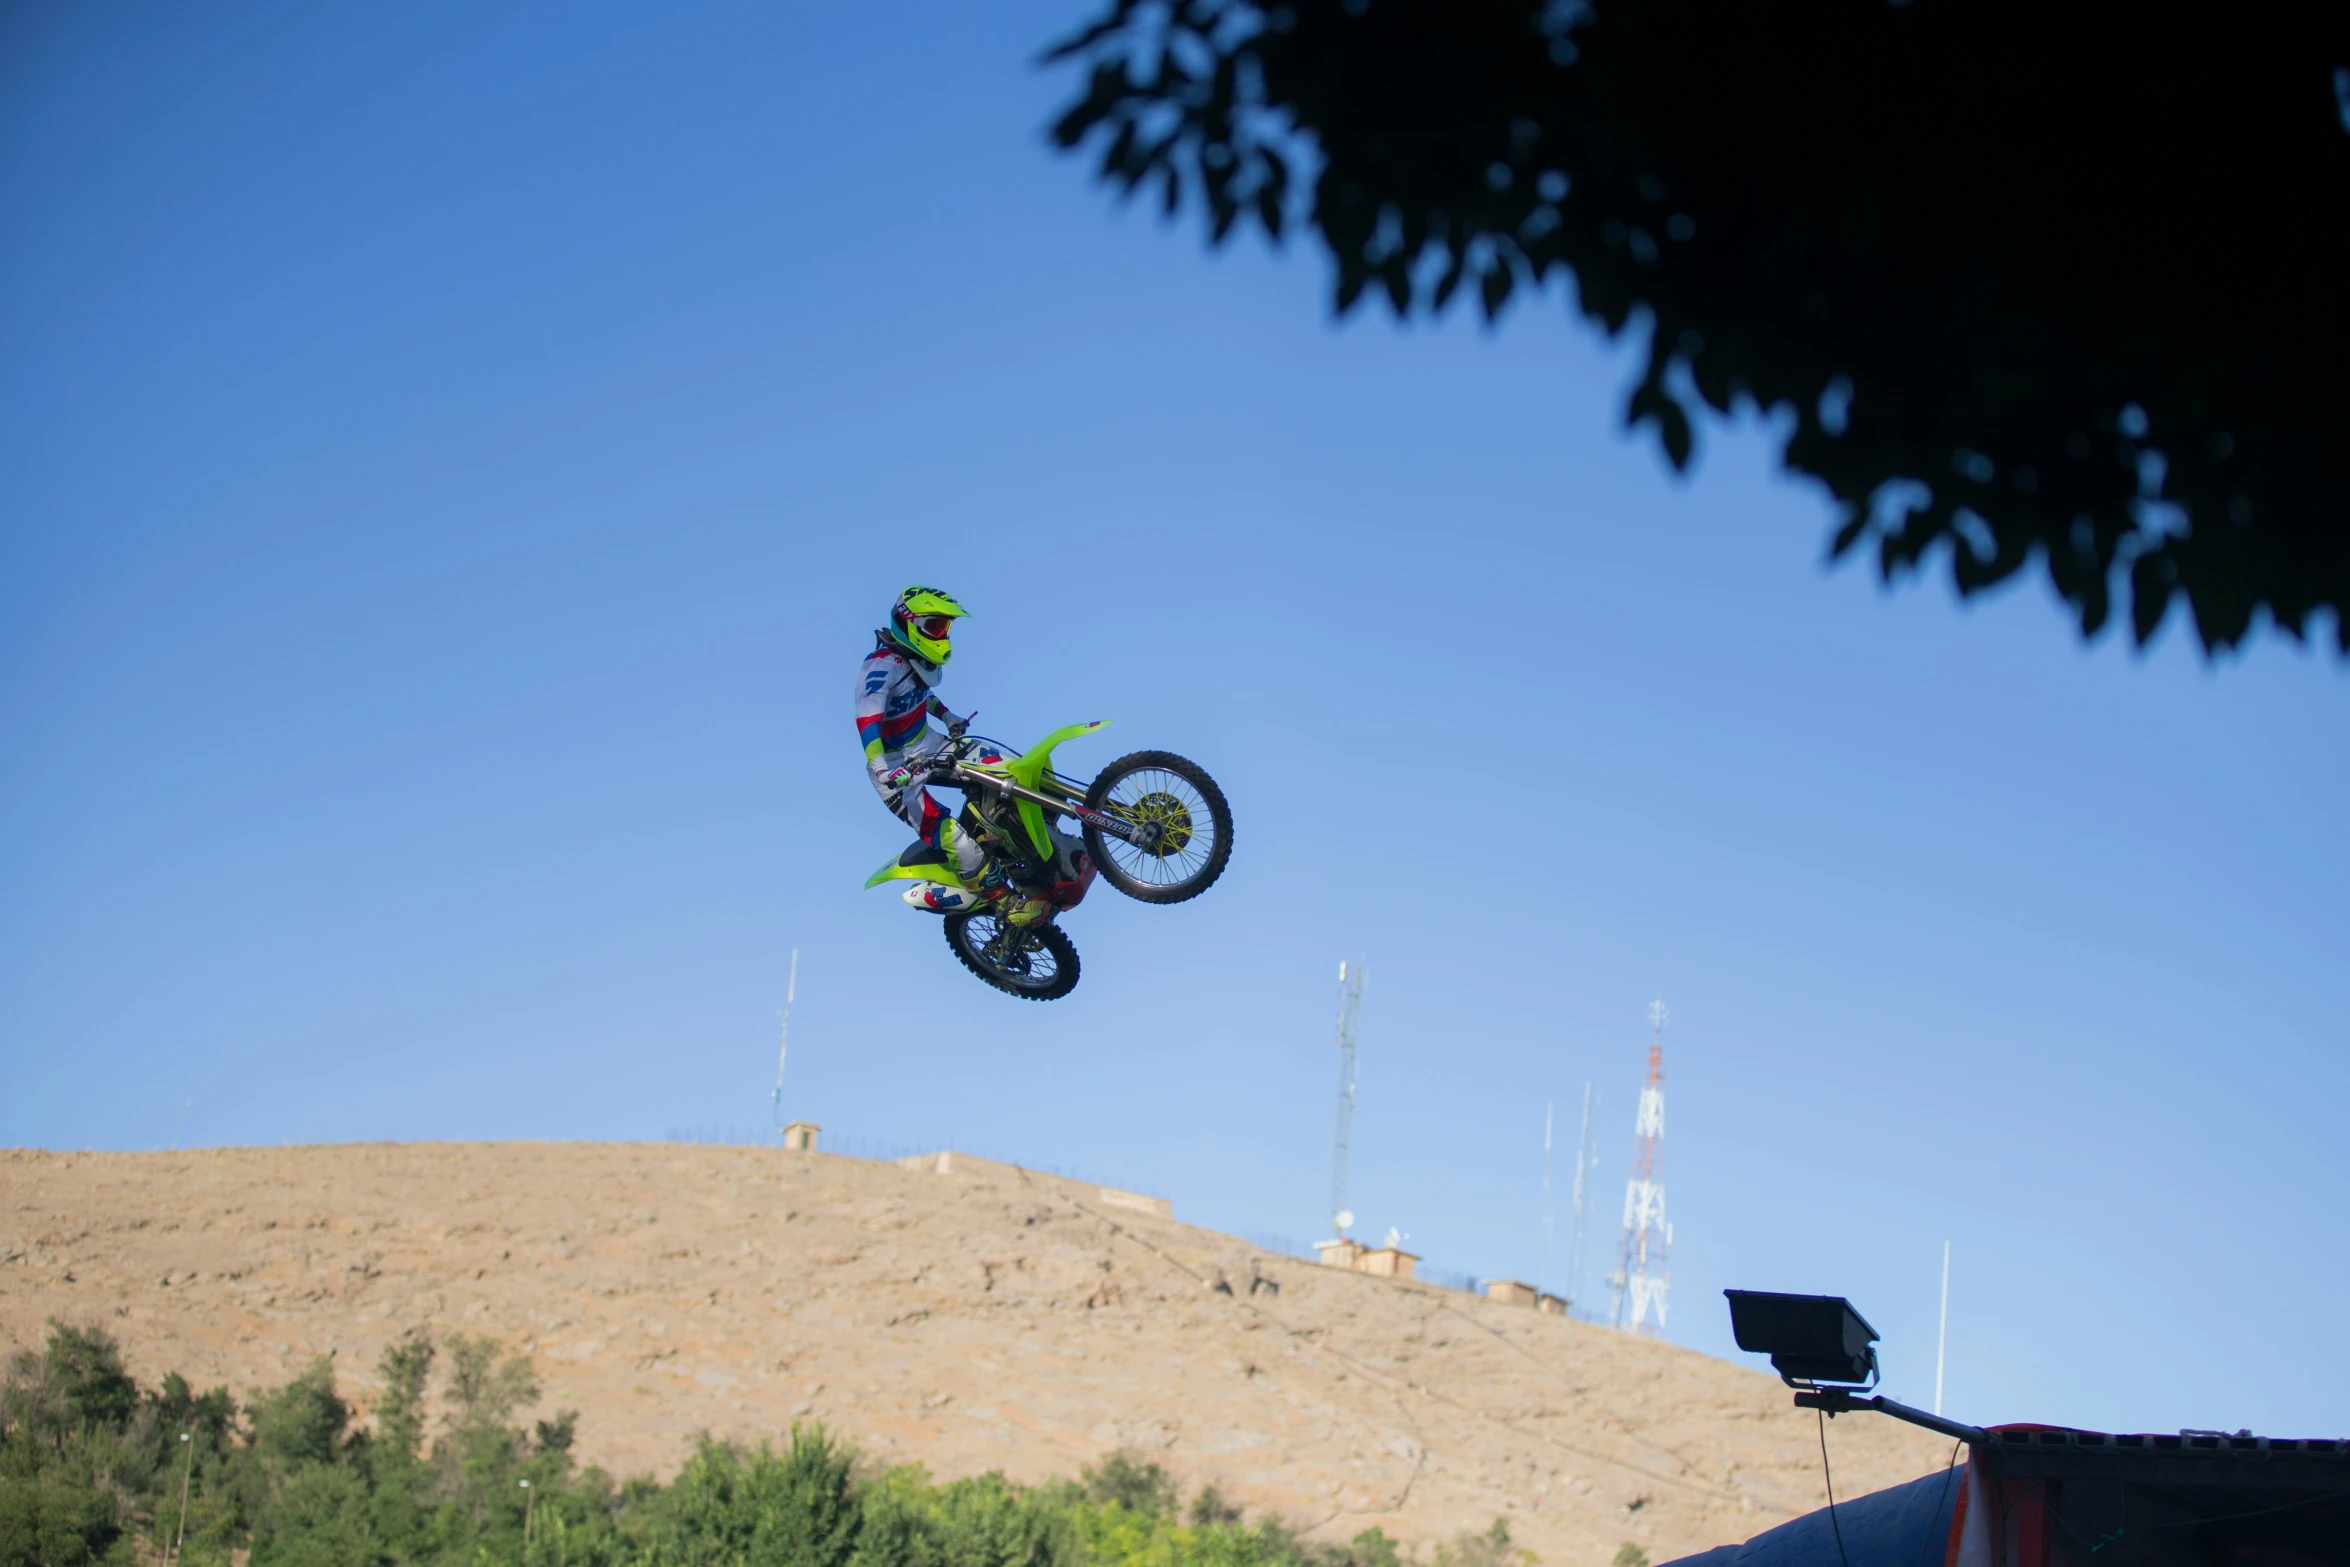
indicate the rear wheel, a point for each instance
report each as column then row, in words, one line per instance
column 1181, row 805
column 1033, row 962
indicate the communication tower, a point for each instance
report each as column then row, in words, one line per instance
column 1350, row 1008
column 1584, row 1160
column 783, row 1033
column 1643, row 1268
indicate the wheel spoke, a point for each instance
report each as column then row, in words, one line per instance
column 1017, row 955
column 1153, row 796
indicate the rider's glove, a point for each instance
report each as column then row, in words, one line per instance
column 916, row 771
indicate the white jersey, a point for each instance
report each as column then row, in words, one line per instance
column 894, row 709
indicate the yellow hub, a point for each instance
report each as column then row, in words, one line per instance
column 1170, row 815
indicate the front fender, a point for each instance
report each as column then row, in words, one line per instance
column 1029, row 769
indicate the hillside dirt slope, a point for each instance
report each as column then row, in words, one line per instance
column 975, row 1318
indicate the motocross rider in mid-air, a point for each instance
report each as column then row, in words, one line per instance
column 894, row 708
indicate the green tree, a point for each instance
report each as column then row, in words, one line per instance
column 1122, row 1479
column 321, row 1518
column 2012, row 292
column 1371, row 1548
column 485, row 1388
column 54, row 1518
column 777, row 1509
column 985, row 1521
column 304, row 1421
column 209, row 1416
column 399, row 1416
column 64, row 1460
column 480, row 1456
column 75, row 1383
column 397, row 1503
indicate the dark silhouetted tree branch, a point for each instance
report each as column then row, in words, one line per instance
column 2033, row 281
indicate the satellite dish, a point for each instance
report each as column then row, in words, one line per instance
column 1346, row 1219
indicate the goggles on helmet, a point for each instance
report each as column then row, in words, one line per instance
column 934, row 626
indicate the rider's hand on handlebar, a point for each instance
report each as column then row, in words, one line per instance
column 955, row 727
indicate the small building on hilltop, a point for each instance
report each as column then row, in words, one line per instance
column 1344, row 1252
column 1382, row 1262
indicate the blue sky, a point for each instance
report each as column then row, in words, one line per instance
column 451, row 463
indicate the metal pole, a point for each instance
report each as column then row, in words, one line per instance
column 1542, row 1274
column 1583, row 1164
column 187, row 1470
column 1942, row 1335
column 1841, row 1401
column 791, row 988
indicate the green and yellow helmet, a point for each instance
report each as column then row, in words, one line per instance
column 921, row 624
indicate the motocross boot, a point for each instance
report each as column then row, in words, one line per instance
column 1026, row 910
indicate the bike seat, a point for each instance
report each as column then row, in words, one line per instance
column 919, row 853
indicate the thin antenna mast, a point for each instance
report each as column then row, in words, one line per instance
column 1542, row 1274
column 791, row 989
column 1942, row 1334
column 1350, row 1007
column 1584, row 1161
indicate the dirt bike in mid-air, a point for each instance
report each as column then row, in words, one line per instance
column 1154, row 825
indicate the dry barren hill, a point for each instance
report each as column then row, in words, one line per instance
column 967, row 1315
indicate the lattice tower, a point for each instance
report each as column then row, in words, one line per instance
column 1350, row 1009
column 1643, row 1273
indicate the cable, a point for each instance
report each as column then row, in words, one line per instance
column 2189, row 1523
column 1926, row 1545
column 1830, row 1478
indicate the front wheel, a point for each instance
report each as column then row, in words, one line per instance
column 1193, row 827
column 1033, row 962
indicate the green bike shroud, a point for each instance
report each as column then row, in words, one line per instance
column 1027, row 770
column 943, row 874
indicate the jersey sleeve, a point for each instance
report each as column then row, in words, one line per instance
column 872, row 694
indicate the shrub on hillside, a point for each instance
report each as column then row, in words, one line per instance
column 94, row 1470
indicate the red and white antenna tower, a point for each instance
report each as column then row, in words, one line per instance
column 1643, row 1270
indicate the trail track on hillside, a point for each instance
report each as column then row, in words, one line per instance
column 980, row 1318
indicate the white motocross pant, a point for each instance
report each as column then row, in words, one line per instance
column 934, row 825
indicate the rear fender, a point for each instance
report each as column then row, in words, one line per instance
column 938, row 871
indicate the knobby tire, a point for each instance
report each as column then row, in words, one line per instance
column 1105, row 849
column 969, row 951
